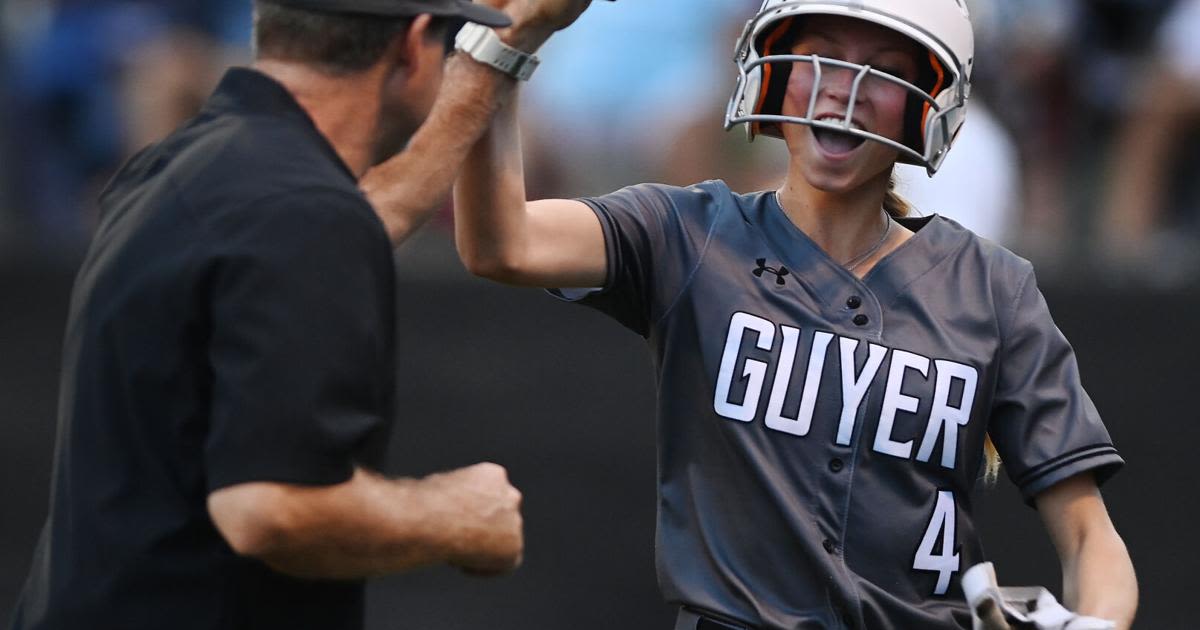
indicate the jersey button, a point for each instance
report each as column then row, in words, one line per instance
column 860, row 320
column 829, row 545
column 836, row 465
column 854, row 302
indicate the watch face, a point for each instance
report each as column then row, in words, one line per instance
column 468, row 38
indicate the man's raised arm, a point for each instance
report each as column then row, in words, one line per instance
column 411, row 186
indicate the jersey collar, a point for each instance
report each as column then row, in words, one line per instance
column 831, row 285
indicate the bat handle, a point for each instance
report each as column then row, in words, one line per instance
column 990, row 616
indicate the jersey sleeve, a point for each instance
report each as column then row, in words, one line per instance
column 654, row 238
column 301, row 346
column 1043, row 423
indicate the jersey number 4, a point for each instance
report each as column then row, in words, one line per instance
column 930, row 557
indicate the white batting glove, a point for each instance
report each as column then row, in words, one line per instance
column 1026, row 607
column 1081, row 622
column 983, row 596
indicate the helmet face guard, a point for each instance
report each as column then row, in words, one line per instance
column 936, row 111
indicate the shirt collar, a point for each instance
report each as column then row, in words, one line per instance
column 248, row 92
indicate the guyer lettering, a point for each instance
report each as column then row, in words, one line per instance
column 945, row 416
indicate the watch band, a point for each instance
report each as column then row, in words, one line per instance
column 484, row 46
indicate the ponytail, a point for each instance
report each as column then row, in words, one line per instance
column 991, row 466
column 894, row 204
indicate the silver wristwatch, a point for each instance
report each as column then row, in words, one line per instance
column 484, row 46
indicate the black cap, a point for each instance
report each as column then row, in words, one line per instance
column 463, row 9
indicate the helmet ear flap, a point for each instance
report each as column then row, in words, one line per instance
column 931, row 78
column 776, row 41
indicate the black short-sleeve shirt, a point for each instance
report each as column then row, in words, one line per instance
column 232, row 322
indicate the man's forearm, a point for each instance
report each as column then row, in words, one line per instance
column 365, row 527
column 371, row 525
column 409, row 187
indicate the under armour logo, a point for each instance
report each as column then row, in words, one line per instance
column 762, row 267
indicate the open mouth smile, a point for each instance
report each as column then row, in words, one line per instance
column 836, row 142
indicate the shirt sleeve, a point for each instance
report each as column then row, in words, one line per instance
column 301, row 344
column 654, row 236
column 1043, row 423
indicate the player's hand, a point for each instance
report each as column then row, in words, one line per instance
column 535, row 20
column 556, row 14
column 488, row 537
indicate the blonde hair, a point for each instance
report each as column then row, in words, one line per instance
column 898, row 207
column 991, row 466
column 893, row 203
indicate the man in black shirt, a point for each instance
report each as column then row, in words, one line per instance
column 228, row 362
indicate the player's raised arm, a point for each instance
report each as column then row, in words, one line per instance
column 501, row 236
column 1098, row 577
column 553, row 242
column 408, row 188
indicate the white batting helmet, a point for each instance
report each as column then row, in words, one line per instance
column 937, row 102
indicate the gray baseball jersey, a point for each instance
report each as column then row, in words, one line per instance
column 819, row 435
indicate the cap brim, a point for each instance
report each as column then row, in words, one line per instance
column 481, row 14
column 463, row 9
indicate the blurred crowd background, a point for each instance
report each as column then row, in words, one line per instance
column 1079, row 151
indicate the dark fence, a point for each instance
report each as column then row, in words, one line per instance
column 564, row 398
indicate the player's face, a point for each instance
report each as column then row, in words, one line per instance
column 831, row 160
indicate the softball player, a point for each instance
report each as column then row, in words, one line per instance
column 829, row 368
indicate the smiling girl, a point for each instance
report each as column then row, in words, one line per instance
column 832, row 373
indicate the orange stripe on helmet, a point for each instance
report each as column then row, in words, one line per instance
column 937, row 87
column 767, row 51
